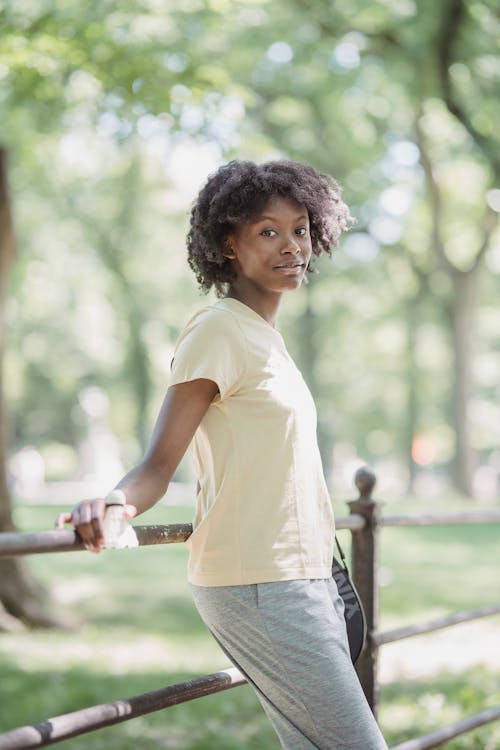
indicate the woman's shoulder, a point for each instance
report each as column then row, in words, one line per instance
column 213, row 325
column 215, row 318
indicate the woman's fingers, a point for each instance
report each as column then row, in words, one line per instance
column 95, row 525
column 90, row 527
column 61, row 519
column 87, row 518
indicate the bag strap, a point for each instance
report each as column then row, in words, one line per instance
column 341, row 553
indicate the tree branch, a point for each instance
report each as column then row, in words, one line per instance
column 453, row 18
column 331, row 27
column 436, row 200
column 7, row 242
column 489, row 225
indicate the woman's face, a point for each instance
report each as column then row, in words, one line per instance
column 273, row 251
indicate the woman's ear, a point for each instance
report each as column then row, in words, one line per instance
column 229, row 250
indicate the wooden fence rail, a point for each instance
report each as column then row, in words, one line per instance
column 398, row 634
column 435, row 739
column 442, row 519
column 365, row 523
column 13, row 544
column 89, row 719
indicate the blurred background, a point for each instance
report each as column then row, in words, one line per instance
column 113, row 114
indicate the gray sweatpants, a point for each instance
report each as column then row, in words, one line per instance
column 289, row 640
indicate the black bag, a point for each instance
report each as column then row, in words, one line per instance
column 353, row 609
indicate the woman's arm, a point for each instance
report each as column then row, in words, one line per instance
column 182, row 411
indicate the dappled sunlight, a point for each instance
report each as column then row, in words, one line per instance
column 75, row 589
column 116, row 651
column 451, row 651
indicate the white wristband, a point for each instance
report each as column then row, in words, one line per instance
column 115, row 497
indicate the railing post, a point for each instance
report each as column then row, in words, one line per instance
column 365, row 550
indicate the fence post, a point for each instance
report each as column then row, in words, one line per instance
column 365, row 549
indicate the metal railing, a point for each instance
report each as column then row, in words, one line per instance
column 365, row 523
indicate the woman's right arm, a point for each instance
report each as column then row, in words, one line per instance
column 182, row 410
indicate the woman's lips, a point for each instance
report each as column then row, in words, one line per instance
column 290, row 267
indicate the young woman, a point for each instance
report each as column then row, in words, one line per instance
column 262, row 544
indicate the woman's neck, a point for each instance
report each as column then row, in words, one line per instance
column 265, row 305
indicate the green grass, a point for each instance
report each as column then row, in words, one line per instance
column 416, row 708
column 442, row 568
column 135, row 629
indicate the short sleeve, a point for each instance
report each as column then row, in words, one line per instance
column 211, row 346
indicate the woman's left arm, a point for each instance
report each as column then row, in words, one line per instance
column 183, row 409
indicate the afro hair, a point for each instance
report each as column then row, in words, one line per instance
column 236, row 194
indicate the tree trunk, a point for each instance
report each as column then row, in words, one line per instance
column 412, row 379
column 22, row 599
column 6, row 257
column 308, row 326
column 112, row 254
column 459, row 311
column 460, row 314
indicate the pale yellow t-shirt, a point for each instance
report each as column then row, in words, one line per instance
column 263, row 511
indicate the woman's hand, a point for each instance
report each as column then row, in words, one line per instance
column 88, row 519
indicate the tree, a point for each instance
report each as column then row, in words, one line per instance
column 21, row 598
column 370, row 69
column 343, row 87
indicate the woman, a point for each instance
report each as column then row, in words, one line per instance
column 262, row 544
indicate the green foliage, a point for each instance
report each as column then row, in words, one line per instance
column 113, row 114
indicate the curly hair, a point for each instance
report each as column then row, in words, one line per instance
column 236, row 194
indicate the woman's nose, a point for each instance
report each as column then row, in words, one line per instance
column 291, row 246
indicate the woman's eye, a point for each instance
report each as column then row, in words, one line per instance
column 301, row 231
column 268, row 233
